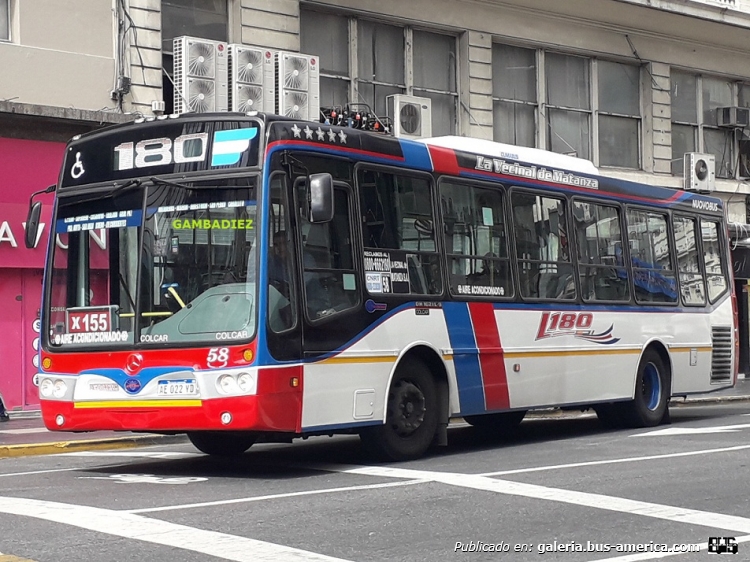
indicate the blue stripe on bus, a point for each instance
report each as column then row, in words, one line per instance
column 417, row 155
column 465, row 357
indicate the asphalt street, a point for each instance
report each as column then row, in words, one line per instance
column 559, row 485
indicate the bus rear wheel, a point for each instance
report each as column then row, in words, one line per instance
column 652, row 389
column 222, row 443
column 502, row 422
column 411, row 416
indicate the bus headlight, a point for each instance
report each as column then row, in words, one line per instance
column 246, row 382
column 59, row 389
column 45, row 389
column 227, row 384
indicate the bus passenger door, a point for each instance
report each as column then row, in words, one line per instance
column 331, row 309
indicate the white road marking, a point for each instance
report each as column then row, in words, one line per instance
column 147, row 479
column 134, row 454
column 598, row 501
column 131, row 526
column 693, row 430
column 24, row 431
column 277, row 496
column 616, row 461
column 30, row 472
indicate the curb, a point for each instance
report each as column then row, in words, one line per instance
column 59, row 447
column 708, row 400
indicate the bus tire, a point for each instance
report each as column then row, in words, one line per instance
column 411, row 416
column 652, row 389
column 502, row 421
column 222, row 443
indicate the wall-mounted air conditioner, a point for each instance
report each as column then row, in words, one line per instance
column 298, row 86
column 412, row 116
column 733, row 117
column 200, row 75
column 700, row 171
column 252, row 79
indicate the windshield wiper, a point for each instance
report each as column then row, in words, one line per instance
column 159, row 181
column 117, row 190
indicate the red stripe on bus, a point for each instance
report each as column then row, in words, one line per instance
column 491, row 359
column 444, row 160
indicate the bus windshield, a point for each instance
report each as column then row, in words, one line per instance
column 158, row 264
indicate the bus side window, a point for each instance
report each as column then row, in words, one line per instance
column 398, row 217
column 713, row 259
column 282, row 312
column 475, row 238
column 601, row 269
column 651, row 258
column 542, row 249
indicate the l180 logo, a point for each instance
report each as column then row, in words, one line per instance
column 576, row 324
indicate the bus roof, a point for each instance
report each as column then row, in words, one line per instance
column 520, row 153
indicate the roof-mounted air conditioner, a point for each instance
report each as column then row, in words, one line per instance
column 200, row 75
column 734, row 117
column 700, row 172
column 252, row 79
column 412, row 116
column 298, row 86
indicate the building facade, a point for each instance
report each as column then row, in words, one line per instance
column 631, row 85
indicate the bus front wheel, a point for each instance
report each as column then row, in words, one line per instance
column 652, row 389
column 221, row 443
column 411, row 416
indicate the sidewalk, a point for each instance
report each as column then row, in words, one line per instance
column 25, row 433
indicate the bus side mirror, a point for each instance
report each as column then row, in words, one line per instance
column 320, row 198
column 32, row 224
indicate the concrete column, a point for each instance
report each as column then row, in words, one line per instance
column 143, row 47
column 657, row 133
column 270, row 24
column 475, row 85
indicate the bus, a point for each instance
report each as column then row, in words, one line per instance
column 249, row 277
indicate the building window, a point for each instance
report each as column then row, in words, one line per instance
column 591, row 108
column 568, row 105
column 208, row 19
column 390, row 59
column 619, row 113
column 4, row 20
column 514, row 100
column 334, row 61
column 380, row 53
column 695, row 99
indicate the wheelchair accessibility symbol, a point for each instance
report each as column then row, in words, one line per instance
column 76, row 171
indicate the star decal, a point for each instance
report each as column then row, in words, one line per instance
column 308, row 132
column 342, row 137
column 321, row 134
column 331, row 135
column 297, row 131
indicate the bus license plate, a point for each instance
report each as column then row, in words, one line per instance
column 185, row 387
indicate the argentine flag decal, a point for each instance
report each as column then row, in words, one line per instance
column 229, row 145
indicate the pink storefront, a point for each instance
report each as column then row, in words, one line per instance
column 26, row 166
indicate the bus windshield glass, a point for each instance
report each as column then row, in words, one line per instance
column 161, row 264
